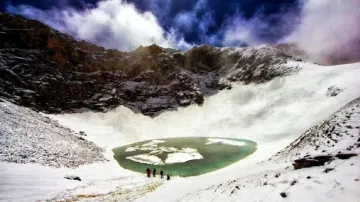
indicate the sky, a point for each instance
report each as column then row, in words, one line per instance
column 189, row 21
column 321, row 27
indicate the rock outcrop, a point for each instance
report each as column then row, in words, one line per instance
column 72, row 177
column 49, row 71
column 311, row 161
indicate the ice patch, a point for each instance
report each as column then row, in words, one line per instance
column 131, row 149
column 150, row 146
column 222, row 141
column 164, row 149
column 183, row 155
column 146, row 158
column 168, row 149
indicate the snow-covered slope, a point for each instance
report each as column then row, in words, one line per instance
column 28, row 137
column 340, row 133
column 281, row 109
column 273, row 114
column 337, row 180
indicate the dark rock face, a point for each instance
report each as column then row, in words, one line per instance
column 51, row 72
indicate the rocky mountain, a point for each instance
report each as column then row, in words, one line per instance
column 49, row 71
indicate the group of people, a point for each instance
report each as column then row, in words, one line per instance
column 148, row 172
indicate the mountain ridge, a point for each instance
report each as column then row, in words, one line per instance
column 49, row 71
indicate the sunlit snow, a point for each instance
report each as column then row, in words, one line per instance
column 272, row 114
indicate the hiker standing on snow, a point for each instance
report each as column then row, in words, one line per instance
column 161, row 173
column 168, row 177
column 154, row 172
column 148, row 172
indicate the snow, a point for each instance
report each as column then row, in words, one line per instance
column 183, row 156
column 28, row 137
column 152, row 143
column 337, row 185
column 222, row 141
column 131, row 149
column 146, row 158
column 273, row 114
column 174, row 155
column 178, row 156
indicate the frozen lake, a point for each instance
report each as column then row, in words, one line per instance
column 183, row 156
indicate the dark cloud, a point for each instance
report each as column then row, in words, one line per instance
column 110, row 23
column 201, row 21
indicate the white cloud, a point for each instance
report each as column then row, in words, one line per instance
column 329, row 30
column 238, row 31
column 111, row 23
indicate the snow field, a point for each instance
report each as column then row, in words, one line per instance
column 272, row 114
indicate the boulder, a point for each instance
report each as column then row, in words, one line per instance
column 283, row 194
column 82, row 133
column 345, row 155
column 72, row 177
column 312, row 161
column 334, row 91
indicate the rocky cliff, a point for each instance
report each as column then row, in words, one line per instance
column 52, row 72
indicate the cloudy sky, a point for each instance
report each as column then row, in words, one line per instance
column 317, row 25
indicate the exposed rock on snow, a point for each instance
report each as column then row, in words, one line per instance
column 28, row 137
column 312, row 161
column 308, row 162
column 346, row 155
column 72, row 177
column 334, row 91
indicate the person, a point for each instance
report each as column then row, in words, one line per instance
column 161, row 173
column 154, row 172
column 168, row 177
column 148, row 172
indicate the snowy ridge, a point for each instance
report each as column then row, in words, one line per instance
column 335, row 181
column 28, row 137
column 340, row 133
